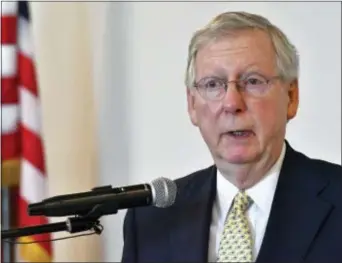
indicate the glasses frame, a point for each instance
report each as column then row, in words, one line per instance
column 237, row 82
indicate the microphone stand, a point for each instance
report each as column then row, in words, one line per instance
column 75, row 224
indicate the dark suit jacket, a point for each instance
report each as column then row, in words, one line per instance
column 305, row 223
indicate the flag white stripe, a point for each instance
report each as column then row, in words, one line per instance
column 10, row 118
column 24, row 39
column 33, row 183
column 30, row 110
column 8, row 60
column 9, row 8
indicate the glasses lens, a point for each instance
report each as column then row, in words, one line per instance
column 255, row 85
column 211, row 88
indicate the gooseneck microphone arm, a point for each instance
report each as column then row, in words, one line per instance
column 72, row 224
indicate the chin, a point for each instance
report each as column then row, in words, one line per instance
column 238, row 159
column 239, row 156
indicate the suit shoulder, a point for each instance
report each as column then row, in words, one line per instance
column 329, row 170
column 198, row 175
column 333, row 174
column 321, row 167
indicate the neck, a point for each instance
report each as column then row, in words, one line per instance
column 244, row 176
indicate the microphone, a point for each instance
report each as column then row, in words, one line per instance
column 161, row 193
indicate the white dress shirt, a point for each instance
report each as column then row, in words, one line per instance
column 262, row 195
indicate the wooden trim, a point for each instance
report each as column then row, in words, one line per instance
column 10, row 173
column 32, row 252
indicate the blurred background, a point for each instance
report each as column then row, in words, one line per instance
column 93, row 94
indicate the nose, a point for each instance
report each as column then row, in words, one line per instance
column 233, row 101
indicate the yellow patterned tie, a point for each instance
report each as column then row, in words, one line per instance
column 236, row 243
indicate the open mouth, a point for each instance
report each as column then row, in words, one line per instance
column 241, row 133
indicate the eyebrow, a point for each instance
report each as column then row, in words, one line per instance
column 249, row 69
column 252, row 67
column 249, row 73
column 241, row 75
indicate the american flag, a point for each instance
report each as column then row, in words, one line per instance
column 22, row 150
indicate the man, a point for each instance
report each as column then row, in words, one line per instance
column 262, row 200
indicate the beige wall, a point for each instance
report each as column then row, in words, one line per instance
column 63, row 47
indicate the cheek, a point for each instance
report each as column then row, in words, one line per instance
column 269, row 117
column 208, row 112
column 215, row 108
column 207, row 115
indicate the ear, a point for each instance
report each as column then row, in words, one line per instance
column 191, row 106
column 293, row 93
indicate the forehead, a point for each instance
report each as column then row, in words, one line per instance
column 236, row 52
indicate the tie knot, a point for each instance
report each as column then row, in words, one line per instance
column 242, row 201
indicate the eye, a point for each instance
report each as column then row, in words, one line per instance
column 255, row 85
column 213, row 83
column 254, row 81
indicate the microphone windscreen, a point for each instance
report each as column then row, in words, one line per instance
column 164, row 192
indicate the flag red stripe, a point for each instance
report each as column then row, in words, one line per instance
column 9, row 91
column 10, row 146
column 8, row 29
column 26, row 220
column 23, row 144
column 32, row 149
column 26, row 73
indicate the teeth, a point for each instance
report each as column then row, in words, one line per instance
column 239, row 133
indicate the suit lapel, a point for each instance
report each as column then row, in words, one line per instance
column 191, row 224
column 297, row 212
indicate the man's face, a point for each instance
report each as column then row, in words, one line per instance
column 263, row 118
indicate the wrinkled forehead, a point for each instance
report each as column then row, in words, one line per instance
column 236, row 51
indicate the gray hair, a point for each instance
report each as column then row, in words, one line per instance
column 287, row 59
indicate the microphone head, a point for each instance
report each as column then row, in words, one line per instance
column 164, row 192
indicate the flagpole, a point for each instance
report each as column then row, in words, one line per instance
column 5, row 222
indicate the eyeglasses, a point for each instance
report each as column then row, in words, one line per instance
column 214, row 88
